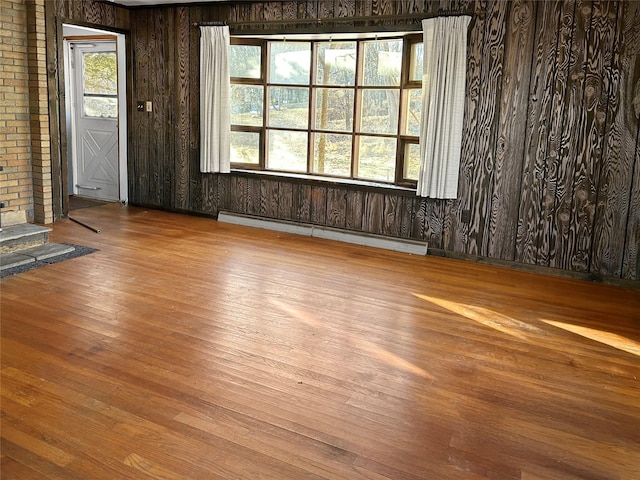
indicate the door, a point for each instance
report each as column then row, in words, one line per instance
column 95, row 120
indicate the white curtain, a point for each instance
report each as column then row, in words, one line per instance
column 215, row 93
column 443, row 95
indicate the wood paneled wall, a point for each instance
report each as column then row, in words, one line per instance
column 550, row 172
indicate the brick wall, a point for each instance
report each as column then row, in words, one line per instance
column 39, row 112
column 16, row 190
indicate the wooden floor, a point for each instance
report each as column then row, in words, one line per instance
column 189, row 349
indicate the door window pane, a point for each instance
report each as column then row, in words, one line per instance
column 336, row 63
column 332, row 154
column 246, row 105
column 244, row 61
column 380, row 111
column 334, row 109
column 287, row 151
column 382, row 62
column 377, row 158
column 288, row 107
column 290, row 63
column 100, row 73
column 245, row 147
column 100, row 107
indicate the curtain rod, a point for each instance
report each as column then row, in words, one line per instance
column 333, row 20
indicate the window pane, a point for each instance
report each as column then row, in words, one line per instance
column 380, row 111
column 417, row 59
column 246, row 105
column 100, row 75
column 290, row 62
column 336, row 63
column 103, row 107
column 244, row 61
column 411, row 161
column 289, row 107
column 413, row 110
column 382, row 62
column 377, row 158
column 332, row 154
column 287, row 151
column 334, row 109
column 245, row 147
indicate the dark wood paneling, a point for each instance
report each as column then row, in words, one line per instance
column 253, row 195
column 285, row 200
column 459, row 234
column 182, row 101
column 373, row 220
column 573, row 140
column 615, row 198
column 302, row 203
column 596, row 109
column 543, row 70
column 548, row 155
column 355, row 204
column 336, row 207
column 392, row 215
column 512, row 123
column 318, row 205
column 139, row 182
column 488, row 113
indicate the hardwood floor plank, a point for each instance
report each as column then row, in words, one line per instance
column 185, row 348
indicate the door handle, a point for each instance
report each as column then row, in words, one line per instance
column 88, row 188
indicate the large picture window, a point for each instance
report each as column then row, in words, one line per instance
column 329, row 107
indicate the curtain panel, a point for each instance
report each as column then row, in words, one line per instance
column 215, row 94
column 443, row 97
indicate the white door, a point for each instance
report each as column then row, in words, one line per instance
column 95, row 120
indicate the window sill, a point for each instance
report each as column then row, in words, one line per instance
column 327, row 181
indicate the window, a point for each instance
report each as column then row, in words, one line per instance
column 100, row 84
column 347, row 108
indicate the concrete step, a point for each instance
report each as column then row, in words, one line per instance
column 33, row 254
column 19, row 237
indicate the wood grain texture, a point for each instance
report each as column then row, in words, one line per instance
column 545, row 179
column 318, row 205
column 182, row 99
column 507, row 186
column 158, row 117
column 280, row 356
column 573, row 139
column 139, row 181
column 373, row 219
column 560, row 111
column 302, row 203
column 336, row 207
column 614, row 194
column 488, row 113
column 539, row 124
column 285, row 200
column 196, row 179
column 459, row 238
column 596, row 105
column 354, row 208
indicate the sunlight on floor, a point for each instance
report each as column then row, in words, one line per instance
column 612, row 339
column 484, row 316
column 369, row 347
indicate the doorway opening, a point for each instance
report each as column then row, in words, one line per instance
column 96, row 119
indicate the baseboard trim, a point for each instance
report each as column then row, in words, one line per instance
column 413, row 247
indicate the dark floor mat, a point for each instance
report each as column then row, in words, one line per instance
column 78, row 252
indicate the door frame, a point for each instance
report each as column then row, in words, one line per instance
column 75, row 33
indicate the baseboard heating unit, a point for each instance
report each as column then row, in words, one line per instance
column 414, row 247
